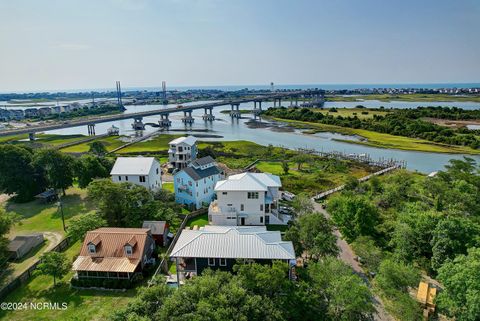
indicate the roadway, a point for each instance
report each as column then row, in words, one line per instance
column 108, row 118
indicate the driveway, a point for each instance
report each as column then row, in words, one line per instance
column 347, row 256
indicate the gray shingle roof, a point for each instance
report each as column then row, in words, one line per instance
column 203, row 161
column 197, row 174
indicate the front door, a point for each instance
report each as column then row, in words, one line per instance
column 242, row 221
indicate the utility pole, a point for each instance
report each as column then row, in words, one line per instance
column 60, row 206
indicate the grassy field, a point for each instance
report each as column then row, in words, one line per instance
column 110, row 142
column 158, row 143
column 381, row 140
column 81, row 304
column 406, row 97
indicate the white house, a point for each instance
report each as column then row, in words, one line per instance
column 195, row 184
column 143, row 171
column 182, row 151
column 247, row 199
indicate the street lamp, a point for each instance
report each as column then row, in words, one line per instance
column 60, row 205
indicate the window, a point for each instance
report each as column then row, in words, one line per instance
column 224, row 193
column 157, row 170
column 261, row 207
column 211, row 261
column 128, row 250
column 91, row 248
column 190, row 183
column 242, row 207
column 119, row 177
column 252, row 195
column 142, row 179
column 261, row 219
column 223, row 262
column 126, row 178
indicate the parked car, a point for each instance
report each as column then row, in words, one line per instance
column 288, row 196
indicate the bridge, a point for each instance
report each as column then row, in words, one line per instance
column 309, row 97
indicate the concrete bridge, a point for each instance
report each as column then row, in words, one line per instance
column 309, row 98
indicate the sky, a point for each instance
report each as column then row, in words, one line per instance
column 85, row 44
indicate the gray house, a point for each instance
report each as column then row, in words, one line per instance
column 221, row 247
column 22, row 244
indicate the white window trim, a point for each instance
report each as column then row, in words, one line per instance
column 211, row 264
column 224, row 262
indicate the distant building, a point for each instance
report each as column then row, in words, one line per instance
column 195, row 184
column 159, row 231
column 143, row 171
column 44, row 111
column 56, row 109
column 22, row 244
column 16, row 114
column 247, row 199
column 220, row 247
column 114, row 253
column 182, row 151
column 31, row 113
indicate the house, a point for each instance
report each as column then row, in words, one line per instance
column 31, row 112
column 220, row 247
column 16, row 114
column 247, row 199
column 56, row 109
column 182, row 151
column 195, row 184
column 143, row 171
column 44, row 111
column 159, row 231
column 22, row 244
column 114, row 253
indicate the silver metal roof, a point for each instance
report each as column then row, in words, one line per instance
column 132, row 165
column 249, row 182
column 189, row 140
column 235, row 242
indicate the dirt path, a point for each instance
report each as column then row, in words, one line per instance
column 347, row 256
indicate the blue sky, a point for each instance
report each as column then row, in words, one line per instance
column 91, row 43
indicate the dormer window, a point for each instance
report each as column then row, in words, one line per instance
column 128, row 250
column 91, row 248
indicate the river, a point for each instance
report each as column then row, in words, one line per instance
column 236, row 129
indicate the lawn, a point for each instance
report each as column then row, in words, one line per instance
column 168, row 186
column 381, row 140
column 55, row 140
column 200, row 220
column 110, row 142
column 38, row 217
column 81, row 304
column 158, row 143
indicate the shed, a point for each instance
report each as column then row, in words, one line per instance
column 159, row 231
column 47, row 196
column 22, row 244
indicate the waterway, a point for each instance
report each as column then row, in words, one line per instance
column 237, row 129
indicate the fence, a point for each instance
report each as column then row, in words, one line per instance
column 23, row 278
column 163, row 263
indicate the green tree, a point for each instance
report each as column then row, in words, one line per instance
column 54, row 264
column 122, row 205
column 396, row 276
column 347, row 295
column 79, row 226
column 89, row 167
column 285, row 167
column 354, row 215
column 98, row 148
column 57, row 168
column 460, row 297
column 313, row 234
column 371, row 254
column 351, row 184
column 302, row 204
column 17, row 173
column 6, row 222
column 453, row 236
